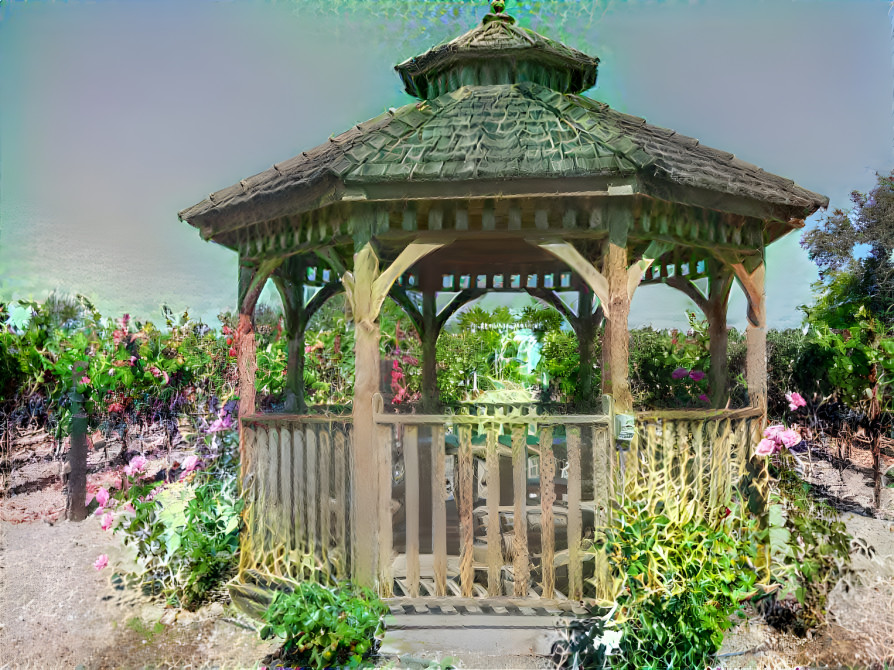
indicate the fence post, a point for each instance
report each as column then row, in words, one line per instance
column 76, row 502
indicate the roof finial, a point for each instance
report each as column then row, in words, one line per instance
column 497, row 6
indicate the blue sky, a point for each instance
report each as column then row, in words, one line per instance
column 116, row 115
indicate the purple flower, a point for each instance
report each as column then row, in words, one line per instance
column 704, row 398
column 696, row 375
column 679, row 373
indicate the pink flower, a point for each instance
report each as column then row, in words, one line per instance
column 789, row 438
column 137, row 466
column 795, row 400
column 232, row 351
column 101, row 561
column 85, row 380
column 133, row 359
column 102, row 497
column 765, row 447
column 772, row 432
column 704, row 398
column 116, row 407
column 190, row 463
column 679, row 373
column 118, row 337
column 107, row 520
column 128, row 507
column 696, row 375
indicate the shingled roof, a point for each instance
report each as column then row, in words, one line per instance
column 496, row 132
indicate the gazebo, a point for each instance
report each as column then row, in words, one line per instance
column 503, row 177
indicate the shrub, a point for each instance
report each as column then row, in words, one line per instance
column 325, row 626
column 810, row 551
column 676, row 583
column 186, row 535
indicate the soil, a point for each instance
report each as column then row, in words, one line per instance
column 56, row 610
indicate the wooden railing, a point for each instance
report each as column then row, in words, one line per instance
column 297, row 488
column 692, row 460
column 505, row 553
column 497, row 501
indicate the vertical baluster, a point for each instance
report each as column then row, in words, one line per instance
column 310, row 465
column 298, row 433
column 285, row 447
column 265, row 497
column 325, row 448
column 698, row 483
column 341, row 501
column 411, row 483
column 494, row 543
column 575, row 575
column 466, row 522
column 249, row 548
column 603, row 482
column 439, row 509
column 386, row 532
column 547, row 500
column 521, row 572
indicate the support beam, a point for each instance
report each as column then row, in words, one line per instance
column 289, row 281
column 714, row 307
column 616, row 347
column 366, row 288
column 752, row 283
column 251, row 283
column 585, row 324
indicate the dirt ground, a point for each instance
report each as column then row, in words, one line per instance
column 56, row 610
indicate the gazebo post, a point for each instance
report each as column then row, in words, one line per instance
column 584, row 325
column 429, row 336
column 751, row 279
column 714, row 307
column 366, row 288
column 291, row 291
column 251, row 283
column 617, row 346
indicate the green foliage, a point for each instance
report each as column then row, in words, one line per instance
column 655, row 355
column 850, row 280
column 810, row 548
column 325, row 626
column 858, row 359
column 677, row 584
column 187, row 535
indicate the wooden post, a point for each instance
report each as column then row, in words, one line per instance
column 429, row 336
column 291, row 291
column 752, row 283
column 366, row 288
column 76, row 501
column 617, row 336
column 251, row 283
column 714, row 307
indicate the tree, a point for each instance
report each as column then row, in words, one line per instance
column 854, row 250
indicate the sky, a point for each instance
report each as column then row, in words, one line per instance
column 115, row 115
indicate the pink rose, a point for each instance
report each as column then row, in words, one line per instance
column 102, row 497
column 85, row 380
column 765, row 447
column 191, row 462
column 795, row 400
column 772, row 432
column 789, row 438
column 101, row 561
column 107, row 520
column 137, row 466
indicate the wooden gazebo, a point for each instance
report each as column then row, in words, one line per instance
column 501, row 178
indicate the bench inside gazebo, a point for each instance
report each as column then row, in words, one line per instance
column 501, row 178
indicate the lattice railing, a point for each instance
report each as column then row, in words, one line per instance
column 297, row 488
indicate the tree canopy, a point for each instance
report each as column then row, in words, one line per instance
column 854, row 250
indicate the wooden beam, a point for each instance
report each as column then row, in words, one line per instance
column 251, row 283
column 596, row 280
column 752, row 283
